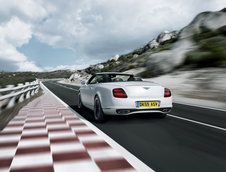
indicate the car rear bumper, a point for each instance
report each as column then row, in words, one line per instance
column 129, row 106
column 136, row 111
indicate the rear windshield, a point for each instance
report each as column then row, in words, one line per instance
column 101, row 78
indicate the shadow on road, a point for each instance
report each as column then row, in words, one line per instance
column 88, row 114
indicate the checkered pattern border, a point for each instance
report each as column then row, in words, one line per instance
column 46, row 136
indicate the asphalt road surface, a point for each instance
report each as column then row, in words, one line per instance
column 189, row 139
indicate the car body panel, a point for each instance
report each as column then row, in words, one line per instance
column 135, row 90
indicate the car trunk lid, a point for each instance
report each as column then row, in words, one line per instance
column 145, row 91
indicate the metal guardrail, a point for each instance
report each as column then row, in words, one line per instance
column 15, row 94
column 51, row 79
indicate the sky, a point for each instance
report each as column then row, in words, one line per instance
column 47, row 35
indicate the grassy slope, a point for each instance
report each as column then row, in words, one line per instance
column 128, row 61
column 13, row 78
column 211, row 51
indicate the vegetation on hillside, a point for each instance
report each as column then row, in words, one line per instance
column 134, row 59
column 211, row 51
column 14, row 78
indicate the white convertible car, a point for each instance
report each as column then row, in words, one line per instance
column 112, row 93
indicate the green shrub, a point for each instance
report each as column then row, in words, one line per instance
column 138, row 51
column 163, row 47
column 122, row 58
column 14, row 78
column 216, row 43
column 211, row 51
column 208, row 33
column 204, row 59
column 131, row 66
column 203, row 35
column 222, row 30
column 145, row 74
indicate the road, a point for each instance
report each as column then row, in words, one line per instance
column 170, row 144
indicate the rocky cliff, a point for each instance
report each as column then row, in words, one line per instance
column 166, row 61
column 200, row 43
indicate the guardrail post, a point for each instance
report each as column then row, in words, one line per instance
column 32, row 91
column 21, row 98
column 0, row 102
column 37, row 89
column 13, row 94
column 28, row 95
column 11, row 101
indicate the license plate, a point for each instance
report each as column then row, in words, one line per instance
column 146, row 104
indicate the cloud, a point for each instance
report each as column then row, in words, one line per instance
column 66, row 67
column 101, row 28
column 94, row 29
column 28, row 66
column 29, row 10
column 15, row 33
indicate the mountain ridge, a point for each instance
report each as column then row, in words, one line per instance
column 172, row 50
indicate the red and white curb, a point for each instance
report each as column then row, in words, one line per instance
column 48, row 136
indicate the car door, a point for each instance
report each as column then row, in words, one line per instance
column 90, row 91
column 85, row 93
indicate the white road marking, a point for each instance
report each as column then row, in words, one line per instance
column 133, row 160
column 200, row 106
column 197, row 122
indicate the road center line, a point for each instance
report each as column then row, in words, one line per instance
column 200, row 106
column 197, row 122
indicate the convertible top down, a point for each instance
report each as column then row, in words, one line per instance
column 114, row 93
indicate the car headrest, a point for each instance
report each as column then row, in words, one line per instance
column 100, row 80
column 137, row 79
column 117, row 80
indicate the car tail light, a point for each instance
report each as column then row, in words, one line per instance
column 119, row 93
column 167, row 93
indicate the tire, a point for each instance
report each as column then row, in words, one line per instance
column 98, row 112
column 80, row 105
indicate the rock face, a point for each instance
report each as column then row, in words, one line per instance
column 79, row 76
column 96, row 67
column 166, row 35
column 166, row 61
column 209, row 20
column 135, row 56
column 162, row 37
column 152, row 44
column 115, row 57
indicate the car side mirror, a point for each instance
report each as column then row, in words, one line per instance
column 83, row 82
